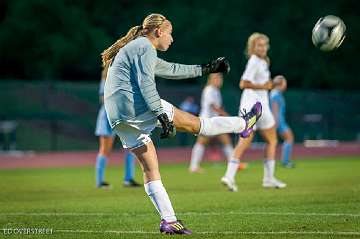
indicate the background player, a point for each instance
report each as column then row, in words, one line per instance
column 256, row 82
column 134, row 106
column 106, row 139
column 278, row 107
column 211, row 105
column 188, row 105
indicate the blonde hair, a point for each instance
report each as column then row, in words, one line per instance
column 250, row 46
column 150, row 23
column 211, row 76
column 104, row 73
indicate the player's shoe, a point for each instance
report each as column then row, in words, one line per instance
column 251, row 118
column 288, row 165
column 196, row 170
column 131, row 183
column 172, row 228
column 104, row 185
column 273, row 183
column 230, row 184
column 242, row 166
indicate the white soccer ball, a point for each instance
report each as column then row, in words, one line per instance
column 328, row 33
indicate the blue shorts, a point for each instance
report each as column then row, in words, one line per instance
column 282, row 127
column 103, row 127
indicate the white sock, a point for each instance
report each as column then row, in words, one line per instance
column 269, row 169
column 196, row 156
column 228, row 151
column 160, row 199
column 221, row 125
column 232, row 168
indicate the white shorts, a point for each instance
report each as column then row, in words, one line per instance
column 136, row 133
column 266, row 120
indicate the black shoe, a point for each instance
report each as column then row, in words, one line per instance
column 104, row 185
column 131, row 183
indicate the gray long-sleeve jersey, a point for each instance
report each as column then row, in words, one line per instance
column 130, row 88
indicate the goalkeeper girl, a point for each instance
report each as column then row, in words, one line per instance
column 134, row 106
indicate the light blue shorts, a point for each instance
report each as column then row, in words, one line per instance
column 103, row 127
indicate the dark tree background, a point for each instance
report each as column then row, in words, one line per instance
column 63, row 39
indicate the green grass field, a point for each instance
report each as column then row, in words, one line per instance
column 322, row 201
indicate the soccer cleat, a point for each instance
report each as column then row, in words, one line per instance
column 242, row 166
column 104, row 185
column 288, row 165
column 273, row 183
column 230, row 184
column 196, row 170
column 251, row 118
column 172, row 228
column 131, row 183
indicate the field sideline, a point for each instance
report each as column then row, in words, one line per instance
column 165, row 155
column 322, row 201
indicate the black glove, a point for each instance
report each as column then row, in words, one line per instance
column 168, row 127
column 221, row 64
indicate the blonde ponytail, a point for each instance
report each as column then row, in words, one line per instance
column 108, row 54
column 150, row 23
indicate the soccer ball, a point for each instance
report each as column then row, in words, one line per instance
column 328, row 33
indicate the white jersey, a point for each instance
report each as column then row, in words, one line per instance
column 210, row 96
column 257, row 72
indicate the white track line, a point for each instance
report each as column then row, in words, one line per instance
column 274, row 213
column 222, row 232
column 185, row 214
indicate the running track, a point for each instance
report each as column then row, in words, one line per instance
column 167, row 155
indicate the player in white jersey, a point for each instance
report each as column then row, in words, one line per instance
column 256, row 83
column 134, row 107
column 211, row 100
column 211, row 106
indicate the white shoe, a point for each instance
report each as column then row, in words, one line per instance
column 273, row 183
column 196, row 170
column 230, row 184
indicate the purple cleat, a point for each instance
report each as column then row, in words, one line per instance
column 251, row 118
column 172, row 228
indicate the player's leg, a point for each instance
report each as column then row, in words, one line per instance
column 228, row 149
column 147, row 157
column 288, row 137
column 106, row 137
column 226, row 145
column 129, row 168
column 187, row 122
column 270, row 137
column 197, row 154
column 105, row 147
column 233, row 163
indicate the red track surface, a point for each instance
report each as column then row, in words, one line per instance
column 169, row 155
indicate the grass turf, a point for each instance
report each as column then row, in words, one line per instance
column 322, row 200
